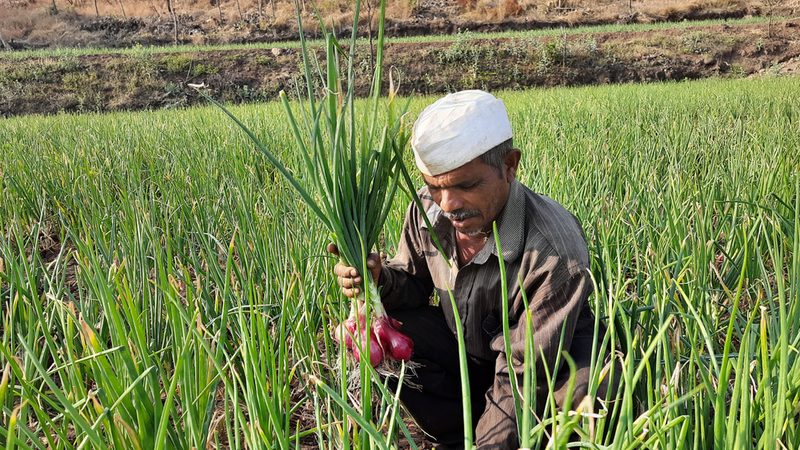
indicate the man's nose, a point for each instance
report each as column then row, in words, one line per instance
column 450, row 201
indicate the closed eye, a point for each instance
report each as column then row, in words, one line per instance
column 468, row 186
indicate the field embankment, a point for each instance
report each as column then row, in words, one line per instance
column 30, row 24
column 133, row 80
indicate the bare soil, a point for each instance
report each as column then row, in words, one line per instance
column 124, row 23
column 123, row 82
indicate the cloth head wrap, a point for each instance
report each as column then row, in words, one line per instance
column 458, row 128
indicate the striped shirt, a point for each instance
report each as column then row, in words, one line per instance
column 547, row 267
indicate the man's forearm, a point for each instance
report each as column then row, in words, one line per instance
column 497, row 427
column 554, row 312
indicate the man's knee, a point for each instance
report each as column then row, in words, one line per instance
column 432, row 338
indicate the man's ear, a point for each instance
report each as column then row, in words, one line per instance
column 511, row 163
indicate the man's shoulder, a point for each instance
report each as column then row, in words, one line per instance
column 550, row 226
column 431, row 209
column 425, row 198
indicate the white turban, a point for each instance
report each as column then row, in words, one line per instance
column 458, row 128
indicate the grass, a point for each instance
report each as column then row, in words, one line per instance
column 161, row 286
column 466, row 35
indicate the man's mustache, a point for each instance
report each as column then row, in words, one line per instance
column 462, row 214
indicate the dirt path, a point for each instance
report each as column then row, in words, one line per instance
column 124, row 82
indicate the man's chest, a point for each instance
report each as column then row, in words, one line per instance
column 476, row 291
column 476, row 288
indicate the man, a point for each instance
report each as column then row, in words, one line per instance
column 463, row 146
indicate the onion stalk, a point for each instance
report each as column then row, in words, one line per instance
column 350, row 172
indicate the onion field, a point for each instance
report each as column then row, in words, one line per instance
column 163, row 287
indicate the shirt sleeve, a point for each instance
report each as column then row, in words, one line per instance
column 405, row 280
column 554, row 306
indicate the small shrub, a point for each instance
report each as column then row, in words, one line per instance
column 177, row 64
column 79, row 81
column 203, row 69
column 263, row 60
column 246, row 93
column 737, row 70
column 173, row 88
column 696, row 43
column 590, row 44
column 463, row 49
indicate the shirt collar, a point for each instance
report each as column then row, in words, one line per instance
column 510, row 226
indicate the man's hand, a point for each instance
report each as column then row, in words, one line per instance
column 348, row 277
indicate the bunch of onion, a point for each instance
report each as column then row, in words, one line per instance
column 350, row 174
column 381, row 340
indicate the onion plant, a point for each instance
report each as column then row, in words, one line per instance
column 352, row 162
column 349, row 175
column 160, row 286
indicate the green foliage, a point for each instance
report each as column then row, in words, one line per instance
column 187, row 65
column 36, row 69
column 83, row 87
column 77, row 81
column 178, row 64
column 161, row 285
column 759, row 45
column 203, row 69
column 463, row 50
column 696, row 42
column 265, row 60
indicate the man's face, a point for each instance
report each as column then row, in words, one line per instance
column 473, row 195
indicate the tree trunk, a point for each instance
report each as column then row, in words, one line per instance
column 175, row 27
column 371, row 42
column 53, row 8
column 96, row 11
column 124, row 16
column 155, row 9
column 174, row 16
column 219, row 8
column 4, row 43
column 239, row 7
column 772, row 5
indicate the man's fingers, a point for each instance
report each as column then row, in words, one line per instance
column 343, row 271
column 374, row 263
column 340, row 270
column 348, row 277
column 347, row 282
column 351, row 292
